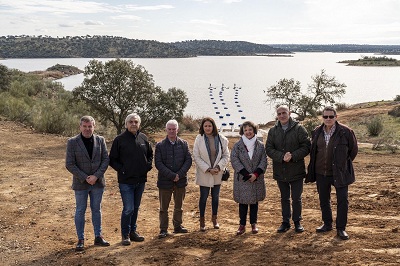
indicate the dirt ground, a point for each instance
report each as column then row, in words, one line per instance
column 37, row 211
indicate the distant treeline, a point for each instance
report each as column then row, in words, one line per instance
column 96, row 46
column 119, row 47
column 341, row 48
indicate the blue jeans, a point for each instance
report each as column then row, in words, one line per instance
column 204, row 191
column 81, row 197
column 294, row 189
column 131, row 195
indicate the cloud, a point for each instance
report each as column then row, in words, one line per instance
column 127, row 17
column 148, row 8
column 65, row 25
column 57, row 6
column 207, row 22
column 91, row 22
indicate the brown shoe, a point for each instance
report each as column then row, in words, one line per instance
column 202, row 224
column 215, row 222
column 241, row 230
column 254, row 228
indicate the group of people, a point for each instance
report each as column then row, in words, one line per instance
column 332, row 148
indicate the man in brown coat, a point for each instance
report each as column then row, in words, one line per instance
column 333, row 149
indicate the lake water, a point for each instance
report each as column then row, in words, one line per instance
column 252, row 74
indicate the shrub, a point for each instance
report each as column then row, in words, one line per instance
column 310, row 124
column 15, row 109
column 397, row 98
column 341, row 106
column 189, row 123
column 50, row 118
column 375, row 126
column 395, row 112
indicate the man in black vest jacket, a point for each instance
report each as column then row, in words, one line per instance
column 173, row 161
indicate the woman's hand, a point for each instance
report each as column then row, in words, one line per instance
column 252, row 178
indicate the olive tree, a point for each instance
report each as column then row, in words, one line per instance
column 118, row 87
column 324, row 89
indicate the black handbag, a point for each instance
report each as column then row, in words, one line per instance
column 225, row 174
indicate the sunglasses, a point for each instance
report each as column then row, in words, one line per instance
column 328, row 116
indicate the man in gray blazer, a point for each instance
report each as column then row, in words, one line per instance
column 87, row 160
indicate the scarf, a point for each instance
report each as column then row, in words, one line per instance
column 250, row 144
column 216, row 143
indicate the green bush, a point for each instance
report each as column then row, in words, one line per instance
column 395, row 112
column 15, row 109
column 189, row 123
column 375, row 126
column 49, row 118
column 341, row 106
column 310, row 124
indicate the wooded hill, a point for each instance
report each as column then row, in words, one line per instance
column 119, row 47
column 233, row 48
column 96, row 46
column 341, row 48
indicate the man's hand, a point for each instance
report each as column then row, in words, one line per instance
column 91, row 179
column 176, row 178
column 287, row 157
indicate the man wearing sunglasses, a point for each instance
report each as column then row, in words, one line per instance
column 333, row 149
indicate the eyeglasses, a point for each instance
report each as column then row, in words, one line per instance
column 283, row 113
column 328, row 116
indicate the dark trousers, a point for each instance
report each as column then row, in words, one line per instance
column 243, row 208
column 204, row 192
column 294, row 189
column 324, row 184
column 165, row 196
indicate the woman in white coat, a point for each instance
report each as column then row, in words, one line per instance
column 211, row 155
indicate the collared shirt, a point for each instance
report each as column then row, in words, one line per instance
column 328, row 135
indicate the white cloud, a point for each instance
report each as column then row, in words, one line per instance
column 91, row 22
column 59, row 6
column 127, row 17
column 207, row 22
column 65, row 25
column 147, row 8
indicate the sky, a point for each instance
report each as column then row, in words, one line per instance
column 257, row 21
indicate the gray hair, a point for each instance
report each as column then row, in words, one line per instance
column 172, row 122
column 87, row 119
column 129, row 117
column 284, row 106
column 329, row 109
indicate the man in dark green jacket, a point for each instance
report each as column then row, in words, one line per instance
column 287, row 145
